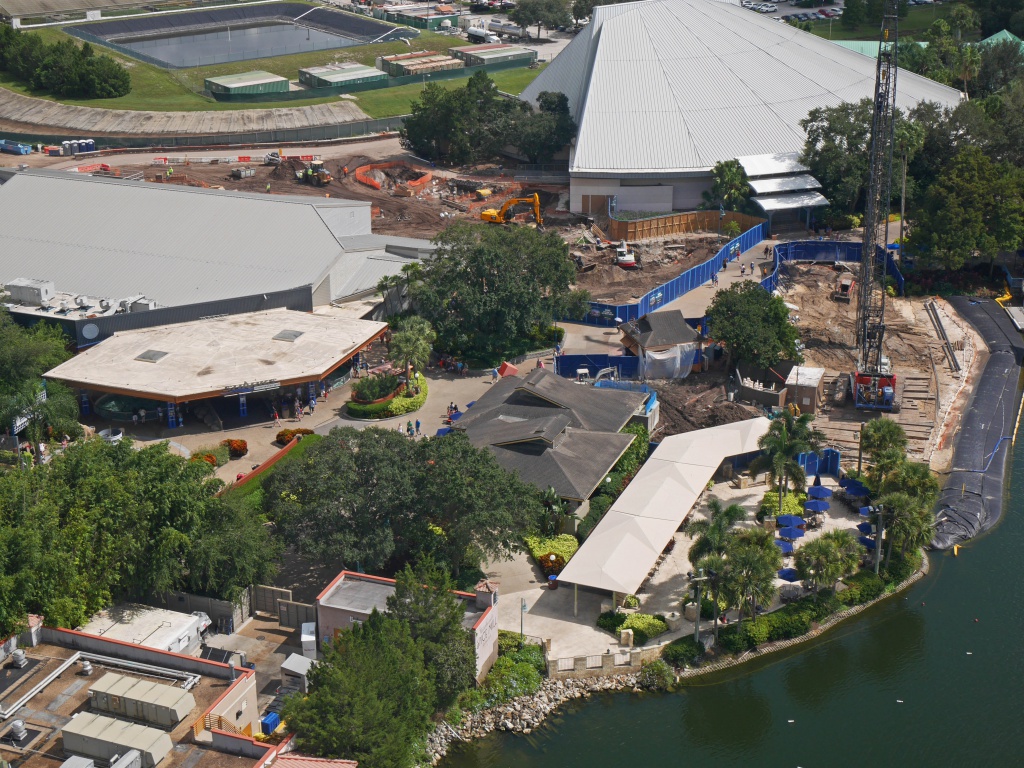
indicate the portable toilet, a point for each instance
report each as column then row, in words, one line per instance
column 74, row 147
column 309, row 640
column 66, row 146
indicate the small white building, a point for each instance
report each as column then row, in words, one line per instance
column 150, row 627
column 805, row 386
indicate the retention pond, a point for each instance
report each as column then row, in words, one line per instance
column 930, row 677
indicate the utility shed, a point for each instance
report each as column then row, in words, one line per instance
column 257, row 81
column 102, row 738
column 806, row 387
column 132, row 697
column 493, row 54
column 347, row 73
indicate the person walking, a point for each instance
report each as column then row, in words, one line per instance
column 312, row 406
column 408, row 428
column 494, row 375
column 767, row 251
column 268, row 187
column 277, row 419
column 345, row 171
column 417, row 426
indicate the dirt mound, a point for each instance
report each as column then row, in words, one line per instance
column 287, row 169
column 698, row 402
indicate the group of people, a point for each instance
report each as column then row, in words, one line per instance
column 412, row 430
column 298, row 407
column 451, row 365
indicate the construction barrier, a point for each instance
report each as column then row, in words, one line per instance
column 677, row 223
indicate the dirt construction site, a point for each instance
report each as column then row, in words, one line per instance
column 932, row 383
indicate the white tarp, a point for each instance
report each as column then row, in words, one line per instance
column 625, row 545
column 674, row 363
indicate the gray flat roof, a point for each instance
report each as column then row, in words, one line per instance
column 359, row 596
column 794, row 200
column 211, row 357
column 255, row 77
column 784, row 184
column 174, row 244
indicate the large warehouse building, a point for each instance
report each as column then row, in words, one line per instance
column 99, row 255
column 664, row 89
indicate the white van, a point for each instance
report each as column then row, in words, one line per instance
column 479, row 35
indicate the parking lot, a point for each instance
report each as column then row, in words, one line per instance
column 787, row 11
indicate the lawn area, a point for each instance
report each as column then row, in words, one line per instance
column 918, row 19
column 252, row 492
column 388, row 102
column 163, row 90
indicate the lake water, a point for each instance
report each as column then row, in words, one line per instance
column 914, row 681
column 235, row 44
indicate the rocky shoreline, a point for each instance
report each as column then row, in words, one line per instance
column 524, row 714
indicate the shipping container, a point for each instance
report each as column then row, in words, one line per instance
column 256, row 81
column 103, row 738
column 270, row 723
column 350, row 73
column 156, row 703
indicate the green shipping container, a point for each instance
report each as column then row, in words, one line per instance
column 248, row 82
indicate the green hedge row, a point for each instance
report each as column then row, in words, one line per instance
column 644, row 625
column 398, row 406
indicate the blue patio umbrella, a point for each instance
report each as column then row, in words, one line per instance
column 866, row 511
column 844, row 482
column 785, row 546
column 856, row 489
column 791, row 533
column 789, row 574
column 819, row 492
column 789, row 521
column 868, row 543
column 865, row 527
column 816, row 505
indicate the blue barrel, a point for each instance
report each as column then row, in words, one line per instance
column 270, row 722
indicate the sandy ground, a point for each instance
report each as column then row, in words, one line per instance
column 931, row 386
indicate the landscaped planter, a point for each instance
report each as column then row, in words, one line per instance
column 392, row 396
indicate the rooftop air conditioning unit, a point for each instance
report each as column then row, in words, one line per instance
column 82, row 301
column 65, row 307
column 104, row 303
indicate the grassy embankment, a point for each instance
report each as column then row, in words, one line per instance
column 162, row 90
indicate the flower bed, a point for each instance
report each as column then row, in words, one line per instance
column 285, row 435
column 236, row 448
column 396, row 406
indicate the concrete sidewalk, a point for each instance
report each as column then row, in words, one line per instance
column 696, row 302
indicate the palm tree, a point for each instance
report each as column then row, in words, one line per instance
column 729, row 187
column 848, row 550
column 714, row 567
column 899, row 508
column 914, row 478
column 554, row 506
column 411, row 343
column 817, row 562
column 964, row 18
column 967, row 64
column 384, row 286
column 880, row 434
column 786, row 438
column 711, row 534
column 915, row 530
column 887, row 461
column 752, row 560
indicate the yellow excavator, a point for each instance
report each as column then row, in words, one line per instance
column 502, row 216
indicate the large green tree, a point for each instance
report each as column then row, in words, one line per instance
column 754, row 325
column 488, row 288
column 540, row 135
column 370, row 697
column 551, row 13
column 975, row 209
column 836, row 151
column 412, row 340
column 786, row 438
column 424, row 600
column 752, row 561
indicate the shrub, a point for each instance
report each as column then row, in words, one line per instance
column 787, row 623
column 531, row 654
column 636, row 454
column 610, row 621
column 219, row 453
column 644, row 626
column 631, row 601
column 564, row 546
column 405, row 403
column 236, row 448
column 508, row 679
column 551, row 564
column 371, row 388
column 756, row 631
column 898, row 570
column 656, row 676
column 730, row 641
column 63, row 68
column 599, row 505
column 683, row 651
column 285, row 435
column 508, row 642
column 792, row 504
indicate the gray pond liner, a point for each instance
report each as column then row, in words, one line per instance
column 972, row 500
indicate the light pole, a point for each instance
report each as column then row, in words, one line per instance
column 878, row 537
column 522, row 613
column 860, row 442
column 696, row 581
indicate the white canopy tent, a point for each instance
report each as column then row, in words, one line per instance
column 625, row 545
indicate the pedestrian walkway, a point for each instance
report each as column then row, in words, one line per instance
column 696, row 302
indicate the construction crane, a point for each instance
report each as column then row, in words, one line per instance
column 873, row 385
column 502, row 216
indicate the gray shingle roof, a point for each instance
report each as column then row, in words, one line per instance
column 551, row 431
column 658, row 329
column 674, row 86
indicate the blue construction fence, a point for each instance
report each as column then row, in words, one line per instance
column 613, row 314
column 828, row 251
column 626, row 366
